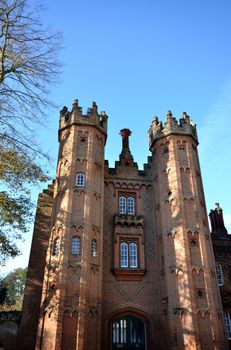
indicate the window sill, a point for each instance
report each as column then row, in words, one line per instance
column 128, row 274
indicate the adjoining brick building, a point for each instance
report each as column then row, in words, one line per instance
column 122, row 258
column 221, row 241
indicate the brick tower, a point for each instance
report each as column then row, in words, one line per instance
column 188, row 285
column 71, row 288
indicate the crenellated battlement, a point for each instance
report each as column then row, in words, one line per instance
column 76, row 116
column 171, row 126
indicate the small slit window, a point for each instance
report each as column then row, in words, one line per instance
column 80, row 180
column 94, row 248
column 75, row 248
column 56, row 247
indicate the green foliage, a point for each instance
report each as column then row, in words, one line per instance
column 17, row 172
column 12, row 289
column 15, row 168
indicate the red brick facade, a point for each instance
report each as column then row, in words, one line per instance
column 129, row 261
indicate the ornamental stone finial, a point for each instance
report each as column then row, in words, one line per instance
column 169, row 114
column 75, row 104
column 184, row 115
column 94, row 107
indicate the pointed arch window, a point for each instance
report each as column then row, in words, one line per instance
column 56, row 247
column 94, row 247
column 80, row 179
column 76, row 245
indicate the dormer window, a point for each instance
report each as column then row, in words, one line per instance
column 127, row 204
column 80, row 180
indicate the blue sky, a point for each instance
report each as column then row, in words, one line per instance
column 138, row 59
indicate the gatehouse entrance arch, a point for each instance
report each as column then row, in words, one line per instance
column 128, row 333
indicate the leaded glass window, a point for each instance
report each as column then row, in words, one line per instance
column 131, row 205
column 128, row 255
column 227, row 324
column 76, row 243
column 219, row 275
column 124, row 254
column 127, row 205
column 80, row 179
column 56, row 247
column 122, row 205
column 94, row 247
column 133, row 254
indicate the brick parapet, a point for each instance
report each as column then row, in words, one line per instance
column 171, row 126
column 76, row 116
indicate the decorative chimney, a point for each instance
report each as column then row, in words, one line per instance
column 217, row 222
column 125, row 155
column 125, row 133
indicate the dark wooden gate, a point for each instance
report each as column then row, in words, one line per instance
column 128, row 333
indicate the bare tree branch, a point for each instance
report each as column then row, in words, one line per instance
column 28, row 68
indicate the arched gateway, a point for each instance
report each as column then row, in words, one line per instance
column 128, row 332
